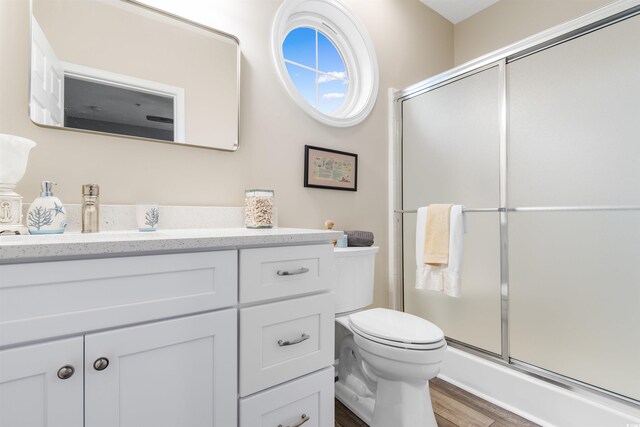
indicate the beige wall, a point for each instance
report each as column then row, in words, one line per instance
column 273, row 129
column 509, row 21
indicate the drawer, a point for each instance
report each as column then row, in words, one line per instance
column 285, row 340
column 49, row 299
column 309, row 397
column 270, row 273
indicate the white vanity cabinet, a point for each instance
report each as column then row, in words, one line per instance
column 157, row 374
column 223, row 328
column 286, row 336
column 140, row 355
column 32, row 394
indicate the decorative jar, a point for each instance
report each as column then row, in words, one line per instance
column 258, row 211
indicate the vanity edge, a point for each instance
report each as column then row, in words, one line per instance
column 34, row 248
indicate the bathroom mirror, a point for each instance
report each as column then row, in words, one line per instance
column 124, row 68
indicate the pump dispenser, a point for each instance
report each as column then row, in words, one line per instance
column 90, row 208
column 47, row 214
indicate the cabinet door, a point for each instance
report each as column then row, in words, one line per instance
column 32, row 394
column 180, row 372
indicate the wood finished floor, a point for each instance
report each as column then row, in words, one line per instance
column 454, row 407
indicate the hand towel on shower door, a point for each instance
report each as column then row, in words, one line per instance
column 436, row 235
column 444, row 277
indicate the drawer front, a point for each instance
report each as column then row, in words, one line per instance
column 50, row 299
column 308, row 398
column 284, row 340
column 270, row 273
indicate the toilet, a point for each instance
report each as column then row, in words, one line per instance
column 385, row 358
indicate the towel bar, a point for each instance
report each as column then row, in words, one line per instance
column 463, row 210
column 542, row 209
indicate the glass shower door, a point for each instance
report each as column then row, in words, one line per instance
column 574, row 272
column 451, row 154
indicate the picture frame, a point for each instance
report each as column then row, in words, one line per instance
column 330, row 169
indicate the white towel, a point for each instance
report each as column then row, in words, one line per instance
column 446, row 277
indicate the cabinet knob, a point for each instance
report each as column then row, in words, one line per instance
column 303, row 420
column 66, row 372
column 101, row 364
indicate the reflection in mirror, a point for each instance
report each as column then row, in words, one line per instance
column 119, row 67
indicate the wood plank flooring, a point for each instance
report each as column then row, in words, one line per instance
column 454, row 407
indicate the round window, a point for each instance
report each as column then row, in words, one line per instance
column 316, row 69
column 325, row 60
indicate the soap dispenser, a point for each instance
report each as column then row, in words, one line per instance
column 46, row 214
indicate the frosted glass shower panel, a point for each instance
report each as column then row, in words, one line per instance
column 574, row 128
column 451, row 154
column 451, row 143
column 475, row 317
column 574, row 295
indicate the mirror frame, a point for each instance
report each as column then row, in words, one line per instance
column 168, row 15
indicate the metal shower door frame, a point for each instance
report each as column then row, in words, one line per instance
column 593, row 21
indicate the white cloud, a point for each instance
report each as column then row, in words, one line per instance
column 332, row 76
column 333, row 95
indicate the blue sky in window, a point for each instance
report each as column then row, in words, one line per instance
column 331, row 95
column 329, row 59
column 304, row 80
column 300, row 47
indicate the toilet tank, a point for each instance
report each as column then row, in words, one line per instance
column 354, row 277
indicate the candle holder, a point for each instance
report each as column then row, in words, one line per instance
column 14, row 153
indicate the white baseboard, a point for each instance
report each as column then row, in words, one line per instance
column 538, row 401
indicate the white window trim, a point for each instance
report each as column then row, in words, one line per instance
column 334, row 19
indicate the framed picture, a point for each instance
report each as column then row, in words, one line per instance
column 332, row 169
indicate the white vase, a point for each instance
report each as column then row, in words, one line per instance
column 14, row 153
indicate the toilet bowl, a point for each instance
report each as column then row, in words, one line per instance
column 385, row 358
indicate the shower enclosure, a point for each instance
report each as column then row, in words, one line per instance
column 541, row 144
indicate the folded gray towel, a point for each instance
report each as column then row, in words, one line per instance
column 359, row 238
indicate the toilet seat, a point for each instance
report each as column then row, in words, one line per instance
column 398, row 344
column 396, row 329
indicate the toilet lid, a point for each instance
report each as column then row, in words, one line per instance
column 381, row 324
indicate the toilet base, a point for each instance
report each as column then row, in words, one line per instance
column 395, row 404
column 359, row 405
column 403, row 404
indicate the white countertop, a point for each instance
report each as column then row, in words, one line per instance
column 28, row 248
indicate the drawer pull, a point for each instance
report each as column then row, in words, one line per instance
column 303, row 337
column 66, row 372
column 295, row 272
column 303, row 420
